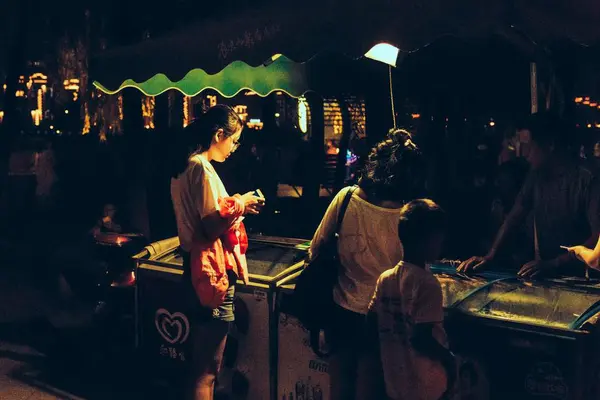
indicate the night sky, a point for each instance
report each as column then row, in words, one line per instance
column 490, row 66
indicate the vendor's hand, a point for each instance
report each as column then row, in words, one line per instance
column 584, row 254
column 538, row 269
column 252, row 203
column 474, row 264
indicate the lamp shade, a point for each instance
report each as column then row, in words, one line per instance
column 385, row 53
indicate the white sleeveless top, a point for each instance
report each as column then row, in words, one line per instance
column 368, row 245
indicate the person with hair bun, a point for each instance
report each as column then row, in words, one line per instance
column 368, row 245
column 212, row 237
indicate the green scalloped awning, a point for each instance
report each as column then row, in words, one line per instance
column 282, row 74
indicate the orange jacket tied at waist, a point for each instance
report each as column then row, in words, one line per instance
column 209, row 262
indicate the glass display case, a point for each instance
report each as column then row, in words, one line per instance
column 546, row 304
column 457, row 286
column 529, row 340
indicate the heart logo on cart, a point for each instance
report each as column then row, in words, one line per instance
column 174, row 328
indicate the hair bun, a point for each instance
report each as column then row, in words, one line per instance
column 394, row 169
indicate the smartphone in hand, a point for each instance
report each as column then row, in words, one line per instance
column 260, row 195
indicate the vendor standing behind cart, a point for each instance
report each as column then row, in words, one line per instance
column 564, row 197
column 212, row 236
column 367, row 246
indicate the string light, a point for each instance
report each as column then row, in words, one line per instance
column 119, row 105
column 242, row 111
column 255, row 124
column 40, row 102
column 86, row 121
column 333, row 115
column 36, row 116
column 148, row 104
column 187, row 101
column 212, row 100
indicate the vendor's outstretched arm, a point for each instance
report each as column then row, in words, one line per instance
column 588, row 255
column 589, row 252
column 523, row 205
column 593, row 214
column 516, row 215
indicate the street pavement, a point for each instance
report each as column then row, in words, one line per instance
column 42, row 357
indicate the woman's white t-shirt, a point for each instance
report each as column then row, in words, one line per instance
column 367, row 246
column 195, row 194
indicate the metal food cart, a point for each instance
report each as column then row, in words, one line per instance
column 529, row 340
column 512, row 338
column 301, row 374
column 163, row 314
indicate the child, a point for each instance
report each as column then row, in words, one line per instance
column 406, row 311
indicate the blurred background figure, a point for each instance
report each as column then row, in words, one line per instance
column 45, row 176
column 108, row 223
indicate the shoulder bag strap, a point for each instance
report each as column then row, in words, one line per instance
column 314, row 334
column 343, row 209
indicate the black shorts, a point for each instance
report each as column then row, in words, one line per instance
column 225, row 312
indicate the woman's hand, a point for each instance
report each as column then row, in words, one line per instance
column 252, row 204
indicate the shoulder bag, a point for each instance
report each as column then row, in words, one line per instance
column 313, row 295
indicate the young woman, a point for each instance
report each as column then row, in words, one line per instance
column 368, row 245
column 211, row 236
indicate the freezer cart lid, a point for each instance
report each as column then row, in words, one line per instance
column 270, row 262
column 302, row 244
column 269, row 258
column 456, row 286
column 545, row 304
